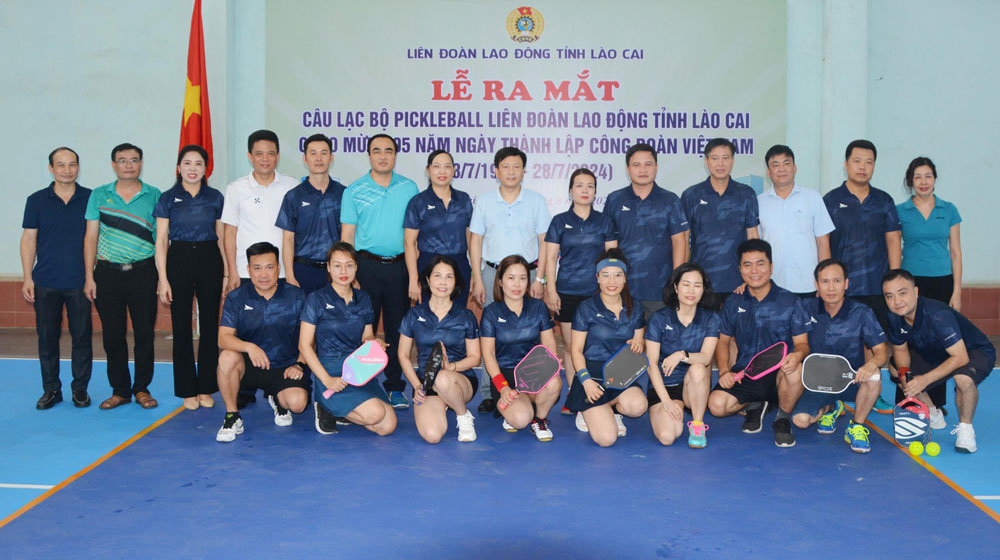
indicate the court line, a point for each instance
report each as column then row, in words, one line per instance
column 24, row 509
column 27, row 486
column 987, row 497
column 961, row 491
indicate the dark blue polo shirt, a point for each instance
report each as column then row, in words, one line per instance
column 339, row 325
column 423, row 326
column 271, row 324
column 606, row 333
column 665, row 328
column 580, row 243
column 847, row 334
column 313, row 216
column 515, row 335
column 643, row 229
column 936, row 327
column 719, row 224
column 191, row 218
column 859, row 240
column 61, row 228
column 442, row 230
column 756, row 325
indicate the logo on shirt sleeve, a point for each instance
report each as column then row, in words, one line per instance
column 421, row 319
column 811, row 320
column 952, row 335
column 903, row 331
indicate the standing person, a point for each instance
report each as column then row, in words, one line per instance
column 338, row 319
column 575, row 239
column 795, row 222
column 512, row 221
column 52, row 262
column 440, row 317
column 601, row 326
column 121, row 274
column 372, row 220
column 250, row 211
column 189, row 260
column 437, row 223
column 511, row 326
column 310, row 218
column 723, row 214
column 680, row 345
column 650, row 226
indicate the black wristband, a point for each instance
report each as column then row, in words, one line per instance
column 301, row 365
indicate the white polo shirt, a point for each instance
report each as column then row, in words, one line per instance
column 791, row 225
column 253, row 209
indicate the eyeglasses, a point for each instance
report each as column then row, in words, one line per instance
column 123, row 161
column 607, row 275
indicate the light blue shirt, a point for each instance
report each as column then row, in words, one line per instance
column 791, row 225
column 510, row 229
column 925, row 242
column 377, row 212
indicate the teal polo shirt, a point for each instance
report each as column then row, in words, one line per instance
column 925, row 241
column 128, row 230
column 378, row 213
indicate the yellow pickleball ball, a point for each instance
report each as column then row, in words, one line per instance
column 933, row 449
column 916, row 448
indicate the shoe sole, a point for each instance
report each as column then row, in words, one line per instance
column 694, row 446
column 543, row 438
column 826, row 432
column 510, row 430
column 467, row 440
column 966, row 450
column 784, row 444
column 239, row 430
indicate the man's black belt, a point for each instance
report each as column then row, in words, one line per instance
column 310, row 262
column 381, row 259
column 531, row 266
column 125, row 267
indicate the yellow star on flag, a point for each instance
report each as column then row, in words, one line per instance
column 192, row 100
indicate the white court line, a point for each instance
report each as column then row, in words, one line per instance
column 27, row 486
column 987, row 497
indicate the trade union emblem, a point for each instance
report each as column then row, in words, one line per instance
column 525, row 24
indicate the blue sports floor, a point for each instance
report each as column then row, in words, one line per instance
column 176, row 493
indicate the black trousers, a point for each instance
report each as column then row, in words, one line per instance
column 122, row 295
column 195, row 269
column 49, row 304
column 386, row 284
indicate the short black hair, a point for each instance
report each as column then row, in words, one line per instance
column 753, row 245
column 897, row 273
column 778, row 150
column 318, row 138
column 395, row 145
column 670, row 290
column 425, row 275
column 861, row 144
column 509, row 151
column 262, row 248
column 265, row 135
column 343, row 247
column 582, row 171
column 640, row 147
column 53, row 153
column 716, row 142
column 910, row 170
column 827, row 263
column 124, row 147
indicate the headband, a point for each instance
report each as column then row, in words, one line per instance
column 611, row 262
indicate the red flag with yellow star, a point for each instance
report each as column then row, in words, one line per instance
column 196, row 124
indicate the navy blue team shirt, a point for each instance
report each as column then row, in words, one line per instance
column 442, row 230
column 422, row 325
column 936, row 327
column 313, row 216
column 606, row 332
column 580, row 243
column 272, row 324
column 719, row 223
column 847, row 334
column 664, row 327
column 339, row 325
column 61, row 228
column 515, row 335
column 192, row 218
column 756, row 325
column 643, row 229
column 859, row 240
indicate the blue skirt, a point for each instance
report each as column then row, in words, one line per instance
column 576, row 400
column 342, row 403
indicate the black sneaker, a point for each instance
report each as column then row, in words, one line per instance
column 48, row 400
column 783, row 436
column 243, row 399
column 487, row 406
column 751, row 425
column 81, row 399
column 341, row 421
column 326, row 423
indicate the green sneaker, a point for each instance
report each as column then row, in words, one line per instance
column 857, row 436
column 828, row 422
column 882, row 407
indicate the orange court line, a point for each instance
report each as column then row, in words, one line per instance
column 88, row 468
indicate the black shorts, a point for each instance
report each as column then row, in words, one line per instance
column 675, row 392
column 272, row 381
column 568, row 306
column 750, row 390
column 978, row 369
column 470, row 375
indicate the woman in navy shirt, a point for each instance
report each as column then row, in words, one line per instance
column 576, row 238
column 437, row 223
column 190, row 262
column 601, row 326
column 439, row 318
column 511, row 326
column 336, row 320
column 680, row 343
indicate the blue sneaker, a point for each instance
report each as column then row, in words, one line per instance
column 857, row 436
column 828, row 422
column 882, row 407
column 398, row 400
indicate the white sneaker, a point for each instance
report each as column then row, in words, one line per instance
column 541, row 429
column 466, row 426
column 282, row 416
column 229, row 430
column 966, row 440
column 937, row 419
column 581, row 424
column 622, row 430
column 507, row 427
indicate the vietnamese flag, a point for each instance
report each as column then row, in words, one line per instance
column 196, row 124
